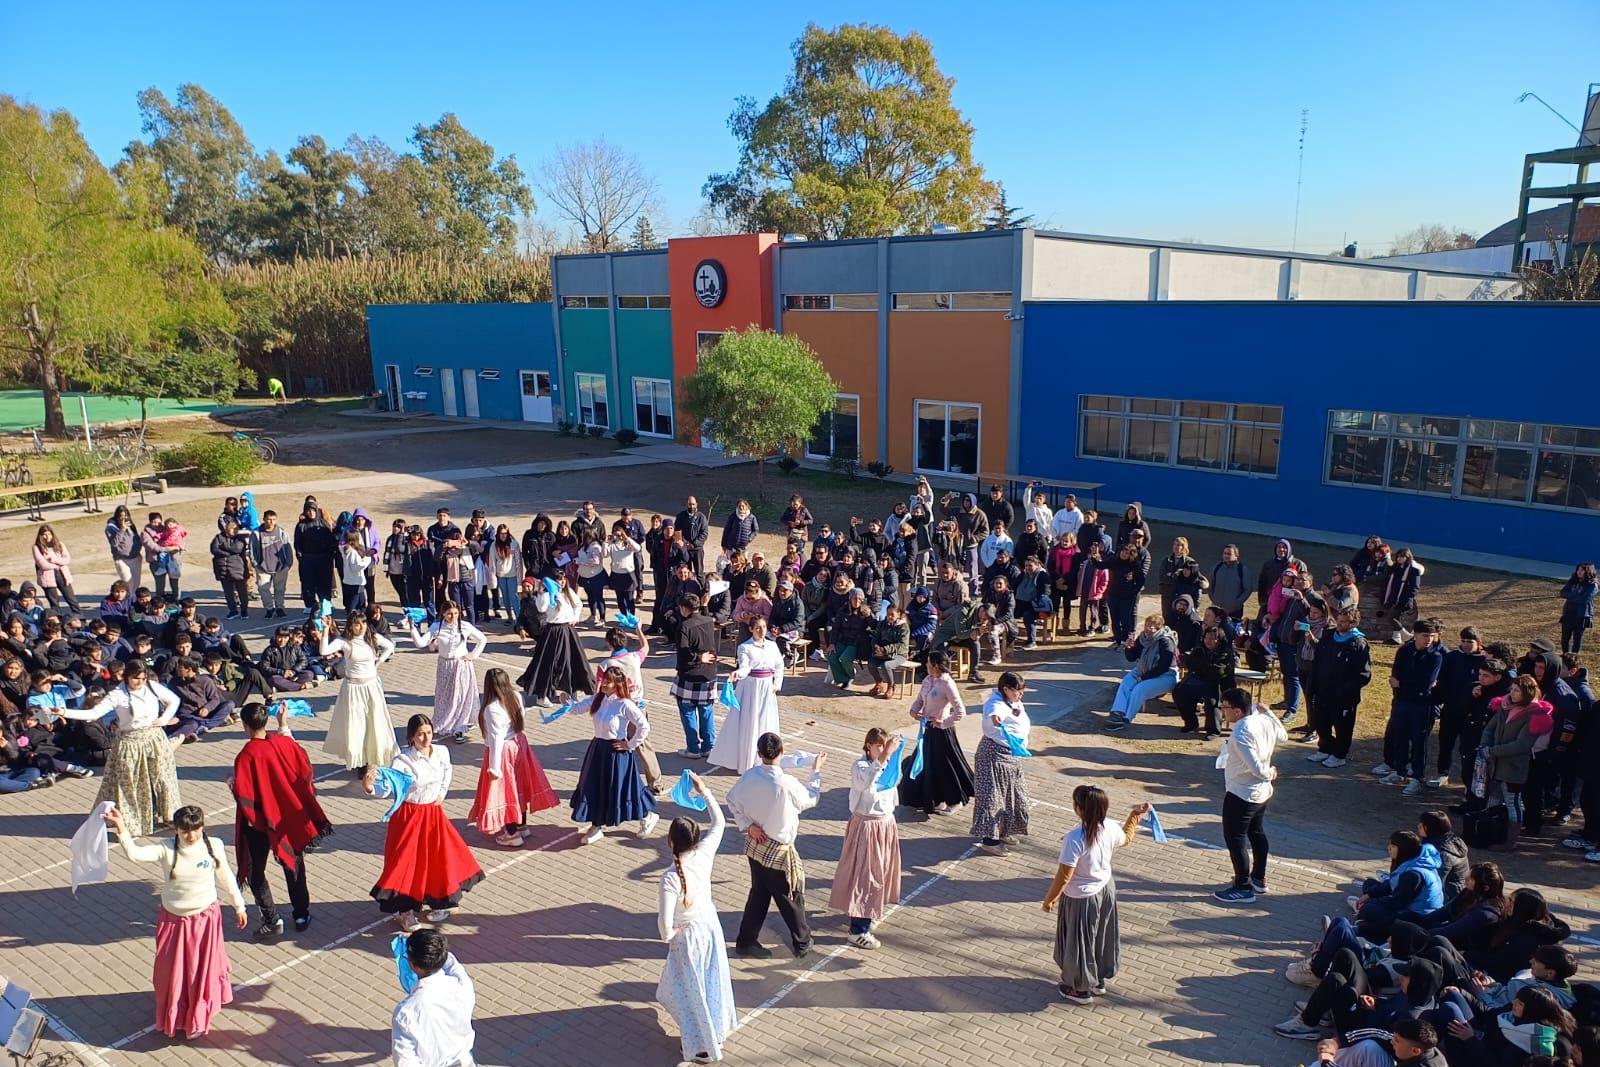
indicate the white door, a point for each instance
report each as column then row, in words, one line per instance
column 447, row 389
column 469, row 391
column 537, row 405
column 391, row 387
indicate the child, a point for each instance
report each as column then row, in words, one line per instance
column 169, row 561
column 117, row 601
column 868, row 878
column 922, row 617
column 284, row 663
column 511, row 783
column 1093, row 581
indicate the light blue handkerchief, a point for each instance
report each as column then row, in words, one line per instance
column 684, row 796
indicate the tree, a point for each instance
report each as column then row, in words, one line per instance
column 599, row 188
column 175, row 374
column 1432, row 237
column 1004, row 216
column 469, row 200
column 757, row 391
column 644, row 235
column 862, row 142
column 388, row 214
column 88, row 276
column 311, row 210
column 1577, row 279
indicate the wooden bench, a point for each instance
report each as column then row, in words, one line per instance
column 1053, row 489
column 33, row 495
column 904, row 675
column 802, row 647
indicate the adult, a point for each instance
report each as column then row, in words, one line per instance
column 1271, row 573
column 997, row 509
column 458, row 644
column 504, row 562
column 867, row 881
column 52, row 568
column 230, row 565
column 316, row 548
column 591, row 562
column 538, row 548
column 1088, row 940
column 587, row 525
column 122, row 538
column 432, row 1026
column 1209, row 672
column 889, row 648
column 797, row 519
column 740, row 531
column 140, row 777
column 1154, row 655
column 695, row 987
column 1001, row 811
column 945, row 782
column 1129, row 571
column 1341, row 667
column 766, row 805
column 1412, row 679
column 757, row 679
column 557, row 666
column 359, row 730
column 623, row 552
column 1397, row 603
column 277, row 815
column 511, row 783
column 1577, row 607
column 1230, row 584
column 610, row 791
column 448, row 547
column 192, row 972
column 694, row 682
column 1132, row 523
column 272, row 552
column 155, row 554
column 691, row 523
column 1520, row 719
column 1247, row 776
column 425, row 862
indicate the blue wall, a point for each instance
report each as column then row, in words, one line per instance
column 1512, row 361
column 465, row 338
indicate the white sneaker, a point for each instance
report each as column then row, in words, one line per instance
column 1438, row 781
column 648, row 823
column 1300, row 973
column 1413, row 788
column 1316, row 757
column 1352, row 901
column 409, row 921
column 1592, row 857
column 1392, row 778
column 593, row 834
column 864, row 941
column 1333, row 762
column 1382, row 769
column 439, row 916
column 509, row 840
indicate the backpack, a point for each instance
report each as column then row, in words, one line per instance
column 1485, row 827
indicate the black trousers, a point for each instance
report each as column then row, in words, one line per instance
column 1589, row 803
column 1191, row 694
column 1246, row 838
column 237, row 593
column 1539, row 789
column 1340, row 993
column 769, row 887
column 260, row 851
column 1452, row 725
column 316, row 580
column 1341, row 731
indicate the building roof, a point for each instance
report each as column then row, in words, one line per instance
column 1547, row 224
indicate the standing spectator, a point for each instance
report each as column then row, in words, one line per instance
column 1397, row 604
column 1405, row 739
column 122, row 538
column 1577, row 609
column 1132, row 522
column 1519, row 720
column 1341, row 667
column 1068, row 519
column 1094, row 579
column 52, row 565
column 971, row 527
column 997, row 509
column 538, row 548
column 635, row 531
column 587, row 526
column 150, row 542
column 740, row 529
column 316, row 548
column 623, row 552
column 691, row 522
column 1230, row 583
column 230, row 565
column 1272, row 571
column 1458, row 675
column 1129, row 571
column 355, row 562
column 505, row 567
column 1248, row 775
column 273, row 554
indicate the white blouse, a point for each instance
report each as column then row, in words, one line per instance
column 460, row 640
column 497, row 734
column 566, row 608
column 152, row 704
column 865, row 796
column 591, row 561
column 614, row 716
column 1014, row 716
column 360, row 661
column 430, row 774
column 622, row 555
column 762, row 656
column 672, row 915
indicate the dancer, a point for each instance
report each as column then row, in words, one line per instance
column 694, row 686
column 1088, row 944
column 425, row 862
column 629, row 663
column 609, row 791
column 695, row 987
column 868, row 877
column 278, row 815
column 1001, row 812
column 140, row 778
column 511, row 783
column 946, row 779
column 557, row 666
column 766, row 804
column 432, row 1027
column 359, row 732
column 757, row 679
column 455, row 685
column 1248, row 774
column 192, row 970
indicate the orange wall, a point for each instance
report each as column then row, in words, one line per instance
column 847, row 344
column 961, row 356
column 747, row 261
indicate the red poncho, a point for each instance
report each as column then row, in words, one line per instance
column 272, row 783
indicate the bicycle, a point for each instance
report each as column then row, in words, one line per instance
column 16, row 472
column 264, row 446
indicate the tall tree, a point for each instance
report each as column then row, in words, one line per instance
column 1005, row 216
column 863, row 141
column 388, row 214
column 470, row 200
column 599, row 188
column 644, row 235
column 89, row 276
column 312, row 208
column 207, row 164
column 1432, row 237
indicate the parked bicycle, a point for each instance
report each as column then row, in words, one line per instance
column 265, row 446
column 15, row 472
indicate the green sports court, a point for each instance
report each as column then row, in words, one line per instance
column 23, row 409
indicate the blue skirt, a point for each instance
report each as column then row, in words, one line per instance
column 610, row 791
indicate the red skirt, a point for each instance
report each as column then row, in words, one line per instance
column 520, row 789
column 425, row 862
column 193, row 978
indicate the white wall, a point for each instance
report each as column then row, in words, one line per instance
column 1195, row 275
column 1336, row 281
column 1083, row 270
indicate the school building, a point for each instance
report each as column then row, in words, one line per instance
column 1417, row 401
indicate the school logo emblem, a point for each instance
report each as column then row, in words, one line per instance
column 710, row 283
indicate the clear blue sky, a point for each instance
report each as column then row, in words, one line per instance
column 1179, row 121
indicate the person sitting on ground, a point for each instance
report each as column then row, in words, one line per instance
column 1360, row 1013
column 1410, row 890
column 1413, row 1041
column 1437, row 833
column 1527, row 925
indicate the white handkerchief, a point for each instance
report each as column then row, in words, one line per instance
column 91, row 855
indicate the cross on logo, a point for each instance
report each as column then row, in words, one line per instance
column 709, row 283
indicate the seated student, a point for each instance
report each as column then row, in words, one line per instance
column 1535, row 1029
column 236, row 680
column 285, row 665
column 1413, row 1041
column 201, row 705
column 1410, row 890
column 1358, row 1011
column 119, row 599
column 30, row 758
column 1528, row 924
column 1437, row 833
column 1209, row 670
column 53, row 651
column 529, row 619
column 90, row 668
column 167, row 662
column 142, row 651
column 787, row 621
column 187, row 620
column 922, row 618
column 212, row 637
column 1549, row 971
column 1002, row 605
column 1033, row 598
column 29, row 610
column 50, row 691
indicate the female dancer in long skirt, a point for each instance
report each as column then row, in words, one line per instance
column 695, row 987
column 360, row 732
column 946, row 779
column 455, row 686
column 558, row 666
column 425, row 862
column 868, row 879
column 511, row 783
column 1001, row 811
column 610, row 791
column 757, row 682
column 1088, row 943
column 140, row 776
column 192, row 973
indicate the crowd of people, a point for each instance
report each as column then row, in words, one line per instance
column 938, row 589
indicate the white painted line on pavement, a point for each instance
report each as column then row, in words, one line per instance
column 82, row 1049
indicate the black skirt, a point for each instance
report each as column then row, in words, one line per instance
column 558, row 665
column 946, row 776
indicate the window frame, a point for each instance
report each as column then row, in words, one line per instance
column 951, row 301
column 1123, row 414
column 584, row 302
column 833, row 444
column 672, row 409
column 916, row 425
column 579, row 380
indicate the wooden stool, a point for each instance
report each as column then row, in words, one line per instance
column 904, row 675
column 803, row 650
column 963, row 663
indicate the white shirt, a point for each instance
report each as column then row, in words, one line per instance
column 591, row 560
column 355, row 564
column 613, row 718
column 672, row 915
column 1042, row 517
column 1091, row 865
column 865, row 796
column 1246, row 759
column 628, row 663
column 430, row 774
column 433, row 1025
column 565, row 608
column 991, row 546
column 765, row 796
column 360, row 661
column 622, row 554
column 760, row 656
column 1013, row 716
column 1067, row 520
column 136, row 709
column 497, row 733
column 457, row 640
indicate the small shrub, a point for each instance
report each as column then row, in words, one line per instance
column 565, row 427
column 788, row 464
column 74, row 464
column 844, row 465
column 879, row 470
column 216, row 461
column 627, row 438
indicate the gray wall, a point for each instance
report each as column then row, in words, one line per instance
column 579, row 276
column 829, row 268
column 968, row 263
column 641, row 273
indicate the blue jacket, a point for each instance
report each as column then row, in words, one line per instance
column 1413, row 886
column 1417, row 672
column 1579, row 606
column 1457, row 675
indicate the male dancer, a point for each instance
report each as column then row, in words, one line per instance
column 766, row 804
column 433, row 1025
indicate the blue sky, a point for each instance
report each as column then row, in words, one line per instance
column 1177, row 121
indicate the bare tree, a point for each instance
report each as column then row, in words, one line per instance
column 600, row 188
column 1432, row 237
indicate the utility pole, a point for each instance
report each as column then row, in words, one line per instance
column 1299, row 174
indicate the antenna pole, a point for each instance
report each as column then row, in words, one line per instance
column 1299, row 174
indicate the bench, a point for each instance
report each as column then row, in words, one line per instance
column 33, row 495
column 904, row 675
column 1054, row 488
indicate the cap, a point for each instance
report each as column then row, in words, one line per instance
column 1493, row 666
column 1543, row 644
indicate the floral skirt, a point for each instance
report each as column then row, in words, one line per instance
column 142, row 780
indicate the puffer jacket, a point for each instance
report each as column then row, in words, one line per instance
column 1510, row 737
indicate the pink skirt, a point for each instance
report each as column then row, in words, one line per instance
column 521, row 789
column 192, row 976
column 868, row 878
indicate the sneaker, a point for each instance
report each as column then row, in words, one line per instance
column 1076, row 996
column 1413, row 788
column 508, row 840
column 816, row 653
column 72, row 770
column 409, row 921
column 865, row 940
column 1295, row 1030
column 1317, row 757
column 269, row 929
column 994, row 661
column 804, row 950
column 688, row 753
column 1392, row 778
column 439, row 916
column 1235, row 894
column 1334, row 762
column 459, row 737
column 1310, row 738
column 1099, row 990
column 755, row 952
column 1300, row 973
column 1579, row 843
column 1593, row 856
column 303, row 921
column 1382, row 769
column 1438, row 781
column 1258, row 888
column 648, row 823
column 993, row 846
column 1353, row 902
column 1117, row 722
column 1031, row 646
column 593, row 834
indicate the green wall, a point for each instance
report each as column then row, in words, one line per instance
column 586, row 349
column 644, row 350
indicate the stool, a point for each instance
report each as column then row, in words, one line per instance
column 802, row 649
column 904, row 675
column 1256, row 680
column 963, row 661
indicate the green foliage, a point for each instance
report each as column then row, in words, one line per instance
column 863, row 141
column 788, row 464
column 595, row 432
column 879, row 470
column 1005, row 215
column 848, row 466
column 566, row 428
column 471, row 200
column 312, row 210
column 644, row 235
column 216, row 461
column 627, row 438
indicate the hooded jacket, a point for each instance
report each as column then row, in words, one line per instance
column 1513, row 943
column 1341, row 668
column 1185, row 625
column 922, row 615
column 1454, row 862
column 1414, row 885
column 1510, row 737
column 1272, row 570
column 249, row 517
column 230, row 557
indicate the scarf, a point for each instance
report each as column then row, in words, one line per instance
column 272, row 783
column 1151, row 654
column 776, row 857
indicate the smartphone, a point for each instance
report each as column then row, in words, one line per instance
column 1303, row 627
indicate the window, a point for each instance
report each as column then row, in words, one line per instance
column 952, row 301
column 585, row 302
column 704, row 339
column 831, row 302
column 652, row 407
column 947, row 437
column 636, row 303
column 592, row 407
column 489, row 374
column 1207, row 435
column 1479, row 459
column 838, row 433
